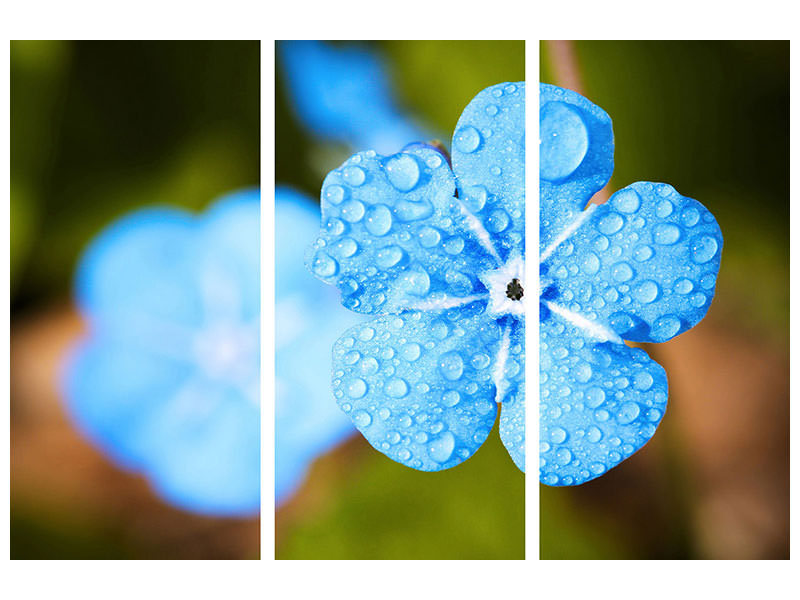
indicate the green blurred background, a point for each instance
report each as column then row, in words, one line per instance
column 99, row 129
column 711, row 119
column 356, row 503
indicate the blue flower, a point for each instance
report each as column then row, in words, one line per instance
column 438, row 252
column 641, row 268
column 308, row 319
column 343, row 94
column 167, row 380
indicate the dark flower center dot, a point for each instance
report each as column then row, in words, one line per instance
column 514, row 290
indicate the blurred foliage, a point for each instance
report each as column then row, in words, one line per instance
column 372, row 507
column 379, row 509
column 99, row 128
column 711, row 119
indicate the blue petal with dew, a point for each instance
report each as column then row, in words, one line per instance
column 489, row 164
column 600, row 402
column 419, row 385
column 641, row 267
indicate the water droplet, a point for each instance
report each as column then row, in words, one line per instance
column 563, row 140
column 356, row 388
column 480, row 361
column 643, row 253
column 411, row 351
column 666, row 234
column 362, row 419
column 622, row 272
column 593, row 434
column 475, row 198
column 684, row 286
column 352, row 211
column 595, row 397
column 664, row 208
column 441, row 449
column 610, row 223
column 563, row 456
column 429, row 237
column 627, row 201
column 646, row 292
column 628, row 413
column 402, row 170
column 467, row 139
column 408, row 210
column 416, row 283
column 396, row 388
column 703, row 249
column 665, row 327
column 497, row 221
column 388, row 257
column 690, row 216
column 451, row 398
column 346, row 247
column 354, row 176
column 451, row 365
column 558, row 435
column 334, row 194
column 366, row 334
column 491, row 110
column 379, row 220
column 324, row 265
column 590, row 264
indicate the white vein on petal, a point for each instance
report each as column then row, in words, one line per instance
column 498, row 374
column 445, row 302
column 477, row 228
column 567, row 232
column 590, row 328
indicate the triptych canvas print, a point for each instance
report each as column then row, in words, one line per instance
column 323, row 316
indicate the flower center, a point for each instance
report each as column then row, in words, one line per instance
column 514, row 290
column 506, row 287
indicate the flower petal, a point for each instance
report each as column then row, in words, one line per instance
column 419, row 386
column 392, row 236
column 576, row 157
column 489, row 162
column 512, row 425
column 600, row 403
column 644, row 264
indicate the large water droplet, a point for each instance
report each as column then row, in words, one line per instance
column 564, row 140
column 441, row 449
column 610, row 223
column 451, row 365
column 379, row 220
column 703, row 249
column 396, row 388
column 352, row 211
column 628, row 413
column 646, row 292
column 626, row 201
column 362, row 419
column 666, row 234
column 416, row 283
column 334, row 194
column 356, row 388
column 354, row 176
column 411, row 351
column 498, row 221
column 467, row 139
column 402, row 171
column 324, row 265
column 388, row 257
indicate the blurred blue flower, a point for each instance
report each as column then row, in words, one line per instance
column 308, row 319
column 167, row 380
column 342, row 93
column 439, row 252
column 641, row 267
